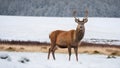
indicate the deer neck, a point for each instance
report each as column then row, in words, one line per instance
column 79, row 34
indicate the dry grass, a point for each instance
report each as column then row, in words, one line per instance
column 108, row 50
column 22, row 48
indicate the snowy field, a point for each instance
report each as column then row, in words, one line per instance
column 39, row 60
column 39, row 28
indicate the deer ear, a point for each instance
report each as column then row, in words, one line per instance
column 85, row 20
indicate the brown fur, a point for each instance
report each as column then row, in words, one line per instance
column 67, row 39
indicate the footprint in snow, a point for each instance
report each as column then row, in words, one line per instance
column 5, row 57
column 24, row 60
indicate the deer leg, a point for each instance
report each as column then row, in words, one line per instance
column 49, row 53
column 50, row 50
column 76, row 52
column 53, row 51
column 69, row 50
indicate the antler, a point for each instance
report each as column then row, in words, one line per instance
column 74, row 14
column 86, row 14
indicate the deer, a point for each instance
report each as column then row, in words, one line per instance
column 68, row 39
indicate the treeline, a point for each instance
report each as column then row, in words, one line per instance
column 19, row 42
column 60, row 8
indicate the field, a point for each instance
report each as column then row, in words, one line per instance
column 100, row 47
column 39, row 60
column 89, row 48
column 39, row 28
column 14, row 55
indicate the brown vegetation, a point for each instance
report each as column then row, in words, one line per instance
column 19, row 42
column 85, row 47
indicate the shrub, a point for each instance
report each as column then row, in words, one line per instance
column 96, row 52
column 10, row 49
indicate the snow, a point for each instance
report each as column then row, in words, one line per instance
column 39, row 60
column 102, row 41
column 39, row 28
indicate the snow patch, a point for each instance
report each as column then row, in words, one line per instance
column 39, row 60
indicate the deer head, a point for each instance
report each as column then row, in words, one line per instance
column 81, row 22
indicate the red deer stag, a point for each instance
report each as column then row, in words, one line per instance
column 68, row 39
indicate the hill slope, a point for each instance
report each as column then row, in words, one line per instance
column 97, row 8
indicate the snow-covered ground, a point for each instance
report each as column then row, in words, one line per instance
column 39, row 28
column 102, row 41
column 39, row 60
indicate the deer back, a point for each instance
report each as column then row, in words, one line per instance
column 63, row 37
